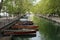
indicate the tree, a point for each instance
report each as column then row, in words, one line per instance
column 17, row 6
column 48, row 7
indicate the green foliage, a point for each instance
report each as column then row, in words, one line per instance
column 47, row 6
column 16, row 6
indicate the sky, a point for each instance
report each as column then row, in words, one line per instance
column 35, row 2
column 0, row 0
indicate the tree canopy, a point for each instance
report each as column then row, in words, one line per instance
column 47, row 6
column 17, row 6
column 42, row 7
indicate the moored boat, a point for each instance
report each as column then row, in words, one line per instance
column 18, row 32
column 24, row 26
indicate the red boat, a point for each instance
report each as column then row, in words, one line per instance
column 24, row 26
column 19, row 32
column 21, row 29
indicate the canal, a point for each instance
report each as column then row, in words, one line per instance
column 37, row 37
column 47, row 30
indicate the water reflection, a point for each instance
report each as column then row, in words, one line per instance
column 36, row 36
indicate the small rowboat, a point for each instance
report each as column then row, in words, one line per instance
column 25, row 23
column 18, row 32
column 24, row 26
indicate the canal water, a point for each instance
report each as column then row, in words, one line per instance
column 37, row 37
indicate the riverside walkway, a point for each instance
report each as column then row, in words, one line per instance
column 53, row 19
column 5, row 21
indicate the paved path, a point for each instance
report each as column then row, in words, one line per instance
column 57, row 19
column 5, row 21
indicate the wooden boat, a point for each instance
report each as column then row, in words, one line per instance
column 24, row 26
column 19, row 25
column 20, row 29
column 18, row 32
column 25, row 23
